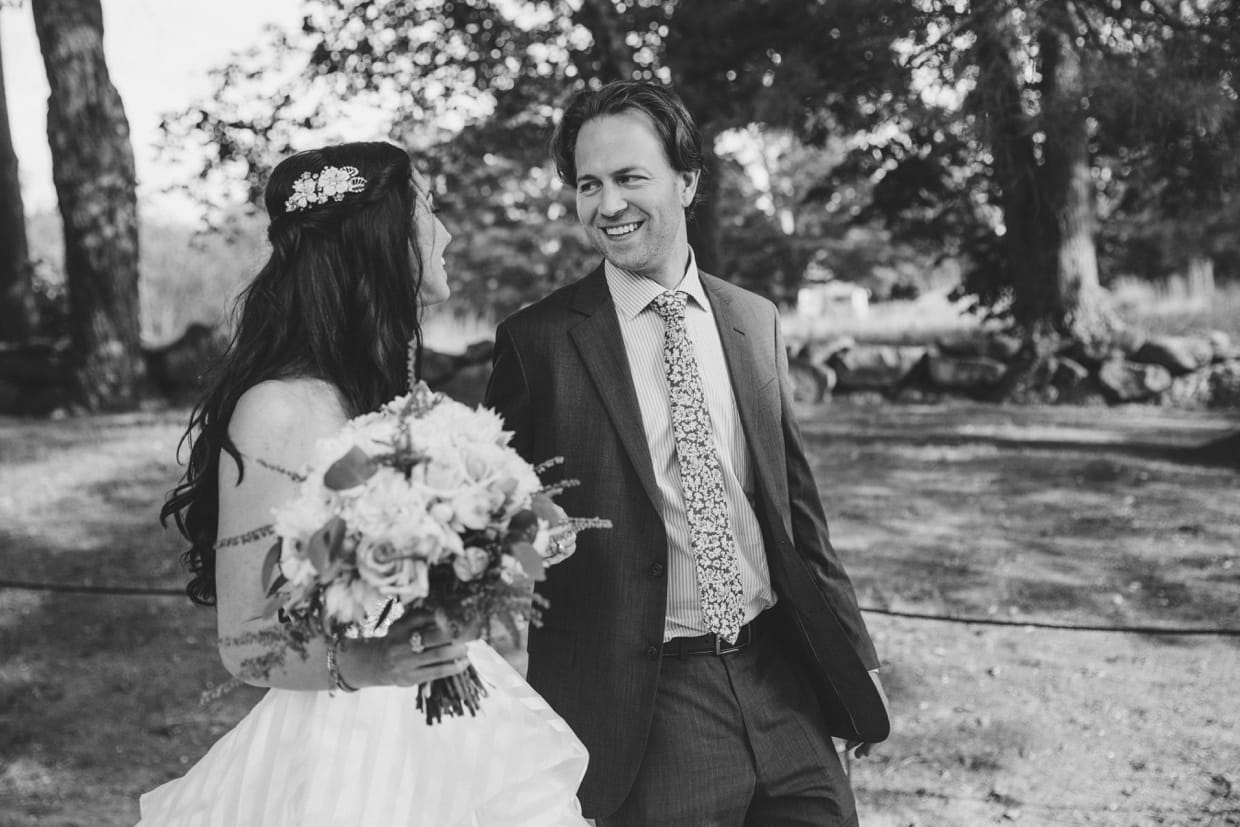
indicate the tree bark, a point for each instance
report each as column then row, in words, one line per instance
column 18, row 317
column 1048, row 201
column 93, row 169
column 1009, row 133
column 1076, row 308
column 615, row 57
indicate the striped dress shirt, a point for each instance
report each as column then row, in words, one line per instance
column 642, row 329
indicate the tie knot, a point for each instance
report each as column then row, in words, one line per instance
column 671, row 305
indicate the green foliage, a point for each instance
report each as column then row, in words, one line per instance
column 886, row 116
column 1161, row 104
column 474, row 88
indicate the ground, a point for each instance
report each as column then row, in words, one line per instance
column 1085, row 516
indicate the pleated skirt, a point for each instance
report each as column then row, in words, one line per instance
column 309, row 759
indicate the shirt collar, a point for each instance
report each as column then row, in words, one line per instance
column 633, row 293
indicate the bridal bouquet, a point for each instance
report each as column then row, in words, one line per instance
column 421, row 504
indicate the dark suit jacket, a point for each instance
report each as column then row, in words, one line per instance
column 561, row 380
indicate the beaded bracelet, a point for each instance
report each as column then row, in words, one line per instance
column 333, row 672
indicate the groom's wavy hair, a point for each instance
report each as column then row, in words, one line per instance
column 337, row 300
column 682, row 143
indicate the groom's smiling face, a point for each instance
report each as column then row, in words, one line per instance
column 630, row 199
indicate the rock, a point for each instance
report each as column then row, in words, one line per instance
column 1071, row 383
column 962, row 345
column 1068, row 373
column 873, row 367
column 1125, row 340
column 1089, row 354
column 478, row 352
column 955, row 373
column 467, row 385
column 1222, row 345
column 1192, row 390
column 1003, row 346
column 1125, row 381
column 820, row 352
column 1224, row 384
column 981, row 345
column 438, row 367
column 810, row 382
column 1178, row 354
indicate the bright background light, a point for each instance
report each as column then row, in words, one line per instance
column 158, row 54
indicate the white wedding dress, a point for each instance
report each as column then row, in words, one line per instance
column 310, row 759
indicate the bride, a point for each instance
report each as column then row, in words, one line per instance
column 322, row 336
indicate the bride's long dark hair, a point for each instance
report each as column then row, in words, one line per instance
column 337, row 300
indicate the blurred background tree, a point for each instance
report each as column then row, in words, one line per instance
column 994, row 133
column 93, row 170
column 1027, row 124
column 476, row 86
column 1029, row 151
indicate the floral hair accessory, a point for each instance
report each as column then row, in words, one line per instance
column 330, row 183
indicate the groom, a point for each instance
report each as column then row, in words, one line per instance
column 708, row 646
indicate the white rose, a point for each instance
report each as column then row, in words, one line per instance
column 443, row 473
column 304, row 515
column 385, row 504
column 391, row 571
column 474, row 506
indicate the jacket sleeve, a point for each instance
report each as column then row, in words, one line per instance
column 508, row 391
column 809, row 522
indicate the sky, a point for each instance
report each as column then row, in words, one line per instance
column 158, row 52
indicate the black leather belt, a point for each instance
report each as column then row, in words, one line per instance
column 711, row 643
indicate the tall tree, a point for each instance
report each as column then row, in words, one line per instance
column 93, row 169
column 799, row 65
column 1045, row 95
column 18, row 318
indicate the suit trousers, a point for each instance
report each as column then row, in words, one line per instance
column 737, row 740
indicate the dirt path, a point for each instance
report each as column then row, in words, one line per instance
column 1087, row 516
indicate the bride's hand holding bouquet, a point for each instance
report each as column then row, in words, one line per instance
column 418, row 525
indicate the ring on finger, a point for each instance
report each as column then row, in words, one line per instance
column 415, row 643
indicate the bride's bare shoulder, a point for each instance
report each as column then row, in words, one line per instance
column 285, row 412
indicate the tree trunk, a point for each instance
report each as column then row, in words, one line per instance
column 1076, row 308
column 1030, row 267
column 614, row 55
column 1048, row 202
column 18, row 317
column 93, row 168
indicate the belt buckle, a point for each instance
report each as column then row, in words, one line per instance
column 718, row 649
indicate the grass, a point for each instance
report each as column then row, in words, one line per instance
column 913, row 321
column 1170, row 307
column 1174, row 307
column 1055, row 514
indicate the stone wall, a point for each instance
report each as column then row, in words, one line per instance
column 1197, row 371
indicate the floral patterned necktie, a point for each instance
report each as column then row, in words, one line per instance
column 701, row 476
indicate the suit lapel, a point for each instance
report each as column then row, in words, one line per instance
column 601, row 345
column 748, row 350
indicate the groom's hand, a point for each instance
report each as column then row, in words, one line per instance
column 860, row 749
